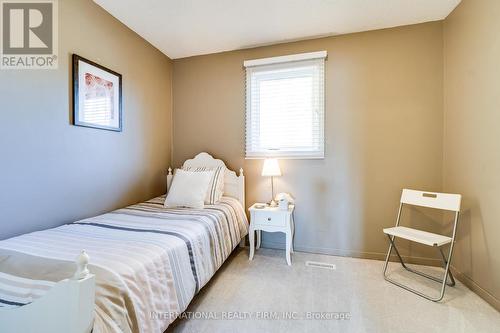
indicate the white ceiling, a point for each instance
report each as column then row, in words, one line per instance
column 183, row 28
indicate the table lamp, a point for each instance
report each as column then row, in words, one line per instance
column 271, row 168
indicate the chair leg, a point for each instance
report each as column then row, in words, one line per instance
column 445, row 264
column 442, row 281
column 391, row 239
column 387, row 259
column 451, row 283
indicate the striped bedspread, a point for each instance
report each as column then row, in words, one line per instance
column 149, row 261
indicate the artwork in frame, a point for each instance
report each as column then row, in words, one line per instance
column 97, row 96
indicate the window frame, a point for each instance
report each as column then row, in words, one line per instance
column 285, row 62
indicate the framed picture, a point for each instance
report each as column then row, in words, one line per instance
column 97, row 96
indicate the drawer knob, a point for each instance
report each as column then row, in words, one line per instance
column 269, row 219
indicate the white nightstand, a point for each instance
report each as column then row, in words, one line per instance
column 271, row 219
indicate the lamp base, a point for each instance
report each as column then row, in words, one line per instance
column 273, row 204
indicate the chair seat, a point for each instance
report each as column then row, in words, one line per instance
column 419, row 236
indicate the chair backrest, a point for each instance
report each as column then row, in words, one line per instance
column 436, row 200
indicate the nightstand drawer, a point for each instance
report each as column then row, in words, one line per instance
column 266, row 217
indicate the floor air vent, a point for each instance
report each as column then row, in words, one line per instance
column 317, row 264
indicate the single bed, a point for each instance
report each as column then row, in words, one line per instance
column 148, row 261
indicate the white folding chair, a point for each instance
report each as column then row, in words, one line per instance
column 443, row 201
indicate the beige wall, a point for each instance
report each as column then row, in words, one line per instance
column 472, row 136
column 53, row 173
column 383, row 132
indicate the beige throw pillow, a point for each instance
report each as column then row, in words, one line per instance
column 188, row 189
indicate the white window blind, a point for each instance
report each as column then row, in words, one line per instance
column 285, row 106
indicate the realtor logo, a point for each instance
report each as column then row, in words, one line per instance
column 29, row 34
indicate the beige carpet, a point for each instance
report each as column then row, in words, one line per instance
column 266, row 295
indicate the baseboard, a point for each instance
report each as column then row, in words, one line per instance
column 354, row 254
column 472, row 285
column 467, row 281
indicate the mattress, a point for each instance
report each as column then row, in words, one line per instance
column 149, row 261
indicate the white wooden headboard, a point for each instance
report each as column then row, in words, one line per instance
column 234, row 185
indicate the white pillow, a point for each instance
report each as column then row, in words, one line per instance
column 216, row 187
column 188, row 189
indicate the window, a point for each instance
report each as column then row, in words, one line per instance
column 285, row 106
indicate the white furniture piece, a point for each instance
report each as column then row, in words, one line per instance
column 271, row 219
column 442, row 201
column 67, row 308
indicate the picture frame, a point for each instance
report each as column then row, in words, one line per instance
column 97, row 96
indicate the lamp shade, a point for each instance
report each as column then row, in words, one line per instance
column 271, row 168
